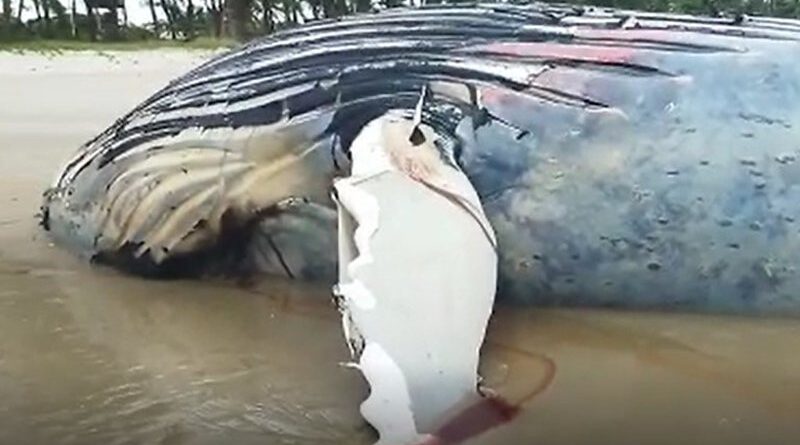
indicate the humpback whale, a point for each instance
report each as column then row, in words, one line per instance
column 624, row 159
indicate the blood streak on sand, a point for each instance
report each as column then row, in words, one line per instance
column 488, row 413
column 492, row 410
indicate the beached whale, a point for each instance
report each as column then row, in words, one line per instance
column 426, row 159
column 622, row 159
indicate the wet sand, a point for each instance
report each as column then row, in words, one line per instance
column 89, row 356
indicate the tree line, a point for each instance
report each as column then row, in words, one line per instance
column 106, row 20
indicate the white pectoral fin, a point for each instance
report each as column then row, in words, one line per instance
column 423, row 163
column 418, row 270
column 454, row 185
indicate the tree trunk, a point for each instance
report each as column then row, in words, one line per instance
column 218, row 19
column 341, row 7
column 316, row 8
column 92, row 22
column 170, row 21
column 189, row 31
column 19, row 10
column 37, row 7
column 328, row 8
column 214, row 8
column 152, row 5
column 72, row 19
column 124, row 14
column 7, row 11
column 267, row 18
column 289, row 9
column 363, row 5
column 334, row 8
column 46, row 11
column 237, row 13
column 114, row 22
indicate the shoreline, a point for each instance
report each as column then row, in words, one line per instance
column 65, row 46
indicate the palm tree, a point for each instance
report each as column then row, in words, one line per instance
column 92, row 20
column 7, row 11
column 166, row 7
column 214, row 8
column 46, row 11
column 72, row 19
column 237, row 13
column 37, row 7
column 267, row 16
column 188, row 20
column 152, row 5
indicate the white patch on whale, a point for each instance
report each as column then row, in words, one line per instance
column 418, row 271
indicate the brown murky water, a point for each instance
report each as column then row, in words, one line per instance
column 91, row 356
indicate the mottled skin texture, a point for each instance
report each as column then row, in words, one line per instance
column 684, row 194
column 623, row 159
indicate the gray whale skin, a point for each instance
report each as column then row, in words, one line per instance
column 624, row 159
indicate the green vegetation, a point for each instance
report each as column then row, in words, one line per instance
column 52, row 45
column 62, row 25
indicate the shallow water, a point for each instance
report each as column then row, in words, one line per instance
column 88, row 355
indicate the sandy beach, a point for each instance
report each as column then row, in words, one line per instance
column 88, row 355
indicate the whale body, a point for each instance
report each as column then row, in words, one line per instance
column 623, row 159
